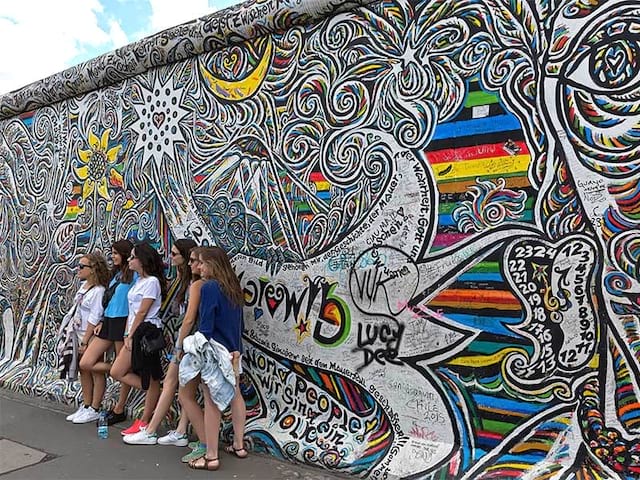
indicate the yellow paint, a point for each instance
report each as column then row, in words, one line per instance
column 485, row 166
column 484, row 360
column 515, row 466
column 239, row 89
column 380, row 439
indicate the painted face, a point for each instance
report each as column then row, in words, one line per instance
column 176, row 257
column 591, row 86
column 592, row 91
column 195, row 265
column 591, row 102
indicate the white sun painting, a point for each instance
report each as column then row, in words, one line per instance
column 157, row 128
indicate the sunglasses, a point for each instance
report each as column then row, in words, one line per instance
column 82, row 266
column 132, row 257
column 174, row 254
column 193, row 260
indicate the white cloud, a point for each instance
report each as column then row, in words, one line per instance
column 41, row 37
column 117, row 35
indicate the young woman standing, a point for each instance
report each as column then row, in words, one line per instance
column 110, row 331
column 94, row 274
column 184, row 258
column 220, row 319
column 144, row 298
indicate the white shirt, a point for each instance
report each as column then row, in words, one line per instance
column 89, row 310
column 147, row 287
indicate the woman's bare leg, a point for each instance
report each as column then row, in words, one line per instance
column 183, row 423
column 187, row 397
column 86, row 382
column 124, row 388
column 169, row 387
column 238, row 418
column 94, row 354
column 211, row 424
column 150, row 400
column 99, row 385
column 121, row 365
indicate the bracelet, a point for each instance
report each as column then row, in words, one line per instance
column 178, row 348
column 125, row 335
column 83, row 344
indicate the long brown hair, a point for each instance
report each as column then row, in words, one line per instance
column 184, row 246
column 123, row 247
column 99, row 269
column 152, row 264
column 223, row 273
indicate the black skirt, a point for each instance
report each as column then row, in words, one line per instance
column 113, row 329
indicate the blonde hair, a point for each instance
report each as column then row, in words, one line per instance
column 222, row 272
column 100, row 274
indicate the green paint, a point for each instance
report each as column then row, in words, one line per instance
column 480, row 98
column 497, row 426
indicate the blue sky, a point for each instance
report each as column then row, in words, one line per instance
column 42, row 37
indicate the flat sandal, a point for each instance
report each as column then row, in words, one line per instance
column 204, row 463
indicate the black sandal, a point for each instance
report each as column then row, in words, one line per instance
column 236, row 451
column 204, row 463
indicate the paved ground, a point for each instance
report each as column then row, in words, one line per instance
column 37, row 443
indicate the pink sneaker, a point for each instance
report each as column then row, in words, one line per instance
column 134, row 428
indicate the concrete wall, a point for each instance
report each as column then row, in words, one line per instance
column 433, row 206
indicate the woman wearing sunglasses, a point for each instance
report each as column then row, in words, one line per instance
column 110, row 331
column 87, row 313
column 145, row 299
column 184, row 256
column 220, row 328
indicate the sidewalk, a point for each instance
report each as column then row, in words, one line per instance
column 37, row 443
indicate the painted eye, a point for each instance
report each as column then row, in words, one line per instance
column 616, row 65
column 610, row 67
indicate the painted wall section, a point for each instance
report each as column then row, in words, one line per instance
column 433, row 207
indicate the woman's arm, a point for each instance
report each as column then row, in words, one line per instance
column 191, row 314
column 85, row 340
column 145, row 305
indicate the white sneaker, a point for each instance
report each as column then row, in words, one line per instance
column 174, row 438
column 74, row 414
column 141, row 438
column 86, row 416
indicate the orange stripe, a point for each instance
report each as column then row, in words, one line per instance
column 327, row 381
column 626, row 408
column 476, row 305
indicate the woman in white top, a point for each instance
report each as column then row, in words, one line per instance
column 184, row 257
column 145, row 299
column 94, row 274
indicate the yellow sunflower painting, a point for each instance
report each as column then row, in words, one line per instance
column 99, row 166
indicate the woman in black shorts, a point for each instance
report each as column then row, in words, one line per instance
column 111, row 330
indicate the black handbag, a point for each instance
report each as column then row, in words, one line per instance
column 108, row 294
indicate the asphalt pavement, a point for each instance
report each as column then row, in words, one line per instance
column 37, row 443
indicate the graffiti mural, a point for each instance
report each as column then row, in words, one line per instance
column 433, row 207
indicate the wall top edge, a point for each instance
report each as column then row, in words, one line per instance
column 245, row 21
